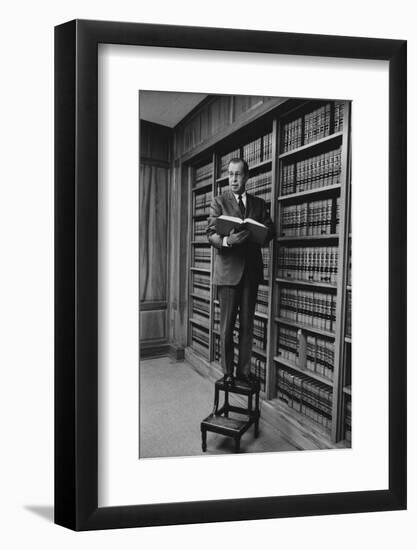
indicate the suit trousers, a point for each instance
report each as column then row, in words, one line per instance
column 233, row 299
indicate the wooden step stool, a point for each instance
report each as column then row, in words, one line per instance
column 219, row 422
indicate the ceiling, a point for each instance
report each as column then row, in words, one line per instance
column 167, row 108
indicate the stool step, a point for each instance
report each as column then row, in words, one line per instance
column 238, row 387
column 232, row 425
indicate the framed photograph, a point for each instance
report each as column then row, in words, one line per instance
column 230, row 275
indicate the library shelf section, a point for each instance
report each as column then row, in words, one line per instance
column 299, row 162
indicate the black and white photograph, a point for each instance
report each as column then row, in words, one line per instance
column 208, row 284
column 245, row 245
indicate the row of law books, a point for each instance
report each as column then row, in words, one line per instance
column 292, row 135
column 316, row 264
column 339, row 114
column 258, row 150
column 262, row 300
column 252, row 152
column 259, row 333
column 200, row 230
column 201, row 349
column 267, row 147
column 202, row 254
column 320, row 356
column 265, row 261
column 312, row 173
column 203, row 293
column 317, row 124
column 307, row 129
column 202, row 264
column 201, row 319
column 311, row 218
column 260, row 184
column 199, row 335
column 305, row 395
column 315, row 309
column 203, row 173
column 202, row 203
column 200, row 306
column 201, row 281
column 287, row 345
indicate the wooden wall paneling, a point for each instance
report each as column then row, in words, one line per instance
column 219, row 113
column 232, row 109
column 216, row 113
column 226, row 130
column 244, row 103
column 153, row 327
column 154, row 141
column 154, row 197
column 204, row 123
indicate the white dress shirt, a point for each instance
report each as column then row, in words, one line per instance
column 243, row 195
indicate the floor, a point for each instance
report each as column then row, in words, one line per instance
column 175, row 397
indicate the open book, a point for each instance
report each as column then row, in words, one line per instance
column 258, row 231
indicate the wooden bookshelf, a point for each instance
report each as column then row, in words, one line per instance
column 199, row 304
column 298, row 156
column 313, row 190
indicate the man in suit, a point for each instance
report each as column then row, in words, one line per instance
column 238, row 268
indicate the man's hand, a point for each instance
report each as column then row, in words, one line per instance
column 235, row 239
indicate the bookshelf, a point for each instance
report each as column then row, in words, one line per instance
column 298, row 157
column 200, row 335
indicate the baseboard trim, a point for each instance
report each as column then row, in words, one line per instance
column 157, row 350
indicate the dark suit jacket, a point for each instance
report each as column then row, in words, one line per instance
column 229, row 263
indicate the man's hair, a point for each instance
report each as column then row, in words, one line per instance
column 245, row 164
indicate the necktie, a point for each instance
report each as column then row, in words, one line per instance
column 241, row 206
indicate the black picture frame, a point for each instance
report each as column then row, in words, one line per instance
column 76, row 272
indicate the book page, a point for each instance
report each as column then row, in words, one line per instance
column 250, row 220
column 231, row 219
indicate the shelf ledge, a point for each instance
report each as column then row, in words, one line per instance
column 306, row 283
column 313, row 144
column 316, row 191
column 307, row 328
column 329, row 236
